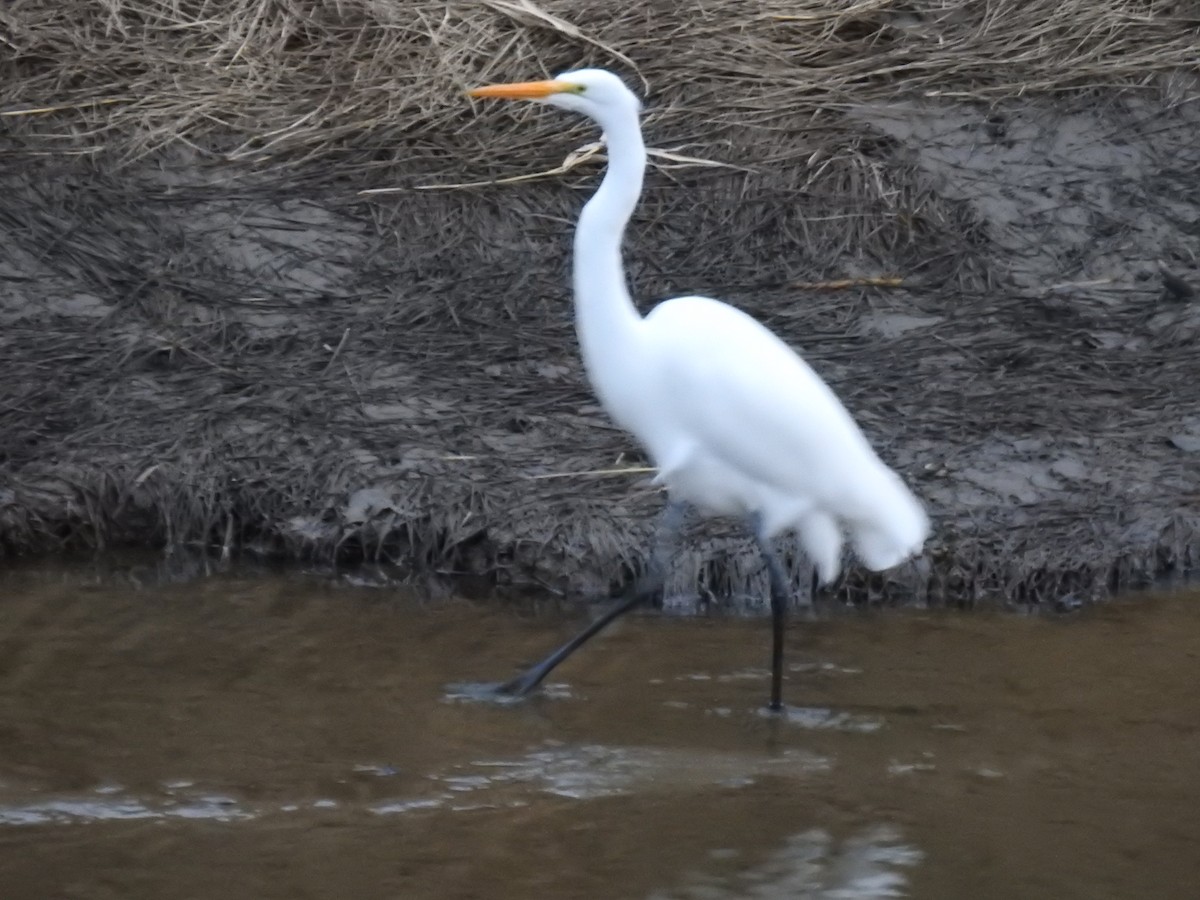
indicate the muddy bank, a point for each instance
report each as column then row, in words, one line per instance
column 255, row 357
column 279, row 376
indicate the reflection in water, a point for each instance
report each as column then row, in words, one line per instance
column 809, row 866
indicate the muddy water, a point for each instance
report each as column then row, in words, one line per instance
column 291, row 738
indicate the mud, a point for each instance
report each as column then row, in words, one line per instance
column 294, row 737
column 199, row 358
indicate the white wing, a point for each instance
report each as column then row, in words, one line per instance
column 745, row 396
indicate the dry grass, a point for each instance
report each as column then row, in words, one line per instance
column 346, row 82
column 282, row 343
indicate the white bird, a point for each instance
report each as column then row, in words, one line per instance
column 735, row 421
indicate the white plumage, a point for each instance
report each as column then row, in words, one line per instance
column 736, row 422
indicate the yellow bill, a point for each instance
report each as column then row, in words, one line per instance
column 524, row 90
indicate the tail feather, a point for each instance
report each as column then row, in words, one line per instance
column 821, row 539
column 895, row 528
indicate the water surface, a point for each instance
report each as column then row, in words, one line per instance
column 291, row 737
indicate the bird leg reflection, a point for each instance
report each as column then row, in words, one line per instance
column 665, row 541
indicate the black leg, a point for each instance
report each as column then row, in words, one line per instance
column 666, row 537
column 779, row 600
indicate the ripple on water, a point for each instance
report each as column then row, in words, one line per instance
column 576, row 772
column 109, row 802
column 582, row 772
column 489, row 692
column 820, row 718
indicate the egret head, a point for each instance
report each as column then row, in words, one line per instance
column 598, row 94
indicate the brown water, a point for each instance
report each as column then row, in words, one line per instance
column 283, row 737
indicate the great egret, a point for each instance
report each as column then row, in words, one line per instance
column 735, row 421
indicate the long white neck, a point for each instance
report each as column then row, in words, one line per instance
column 607, row 321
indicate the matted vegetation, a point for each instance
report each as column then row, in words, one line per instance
column 273, row 283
